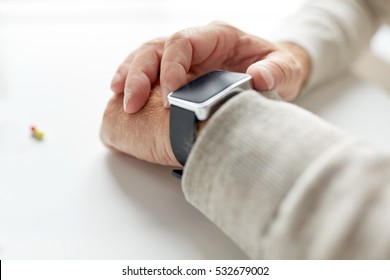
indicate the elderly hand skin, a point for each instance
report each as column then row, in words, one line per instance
column 144, row 135
column 193, row 52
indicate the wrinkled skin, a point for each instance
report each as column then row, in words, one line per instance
column 144, row 135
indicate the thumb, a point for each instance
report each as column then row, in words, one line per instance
column 278, row 71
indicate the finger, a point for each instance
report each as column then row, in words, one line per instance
column 118, row 81
column 198, row 50
column 278, row 71
column 142, row 73
column 175, row 64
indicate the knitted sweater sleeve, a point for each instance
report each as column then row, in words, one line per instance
column 282, row 183
column 333, row 33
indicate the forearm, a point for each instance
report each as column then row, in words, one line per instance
column 245, row 161
column 249, row 171
column 337, row 209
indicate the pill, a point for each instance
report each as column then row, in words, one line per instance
column 37, row 133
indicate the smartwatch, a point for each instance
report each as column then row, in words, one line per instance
column 196, row 102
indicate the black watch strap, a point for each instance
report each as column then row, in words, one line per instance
column 182, row 132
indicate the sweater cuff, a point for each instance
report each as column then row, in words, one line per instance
column 245, row 161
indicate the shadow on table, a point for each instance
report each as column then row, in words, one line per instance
column 159, row 194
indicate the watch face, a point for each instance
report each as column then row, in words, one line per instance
column 208, row 92
column 207, row 86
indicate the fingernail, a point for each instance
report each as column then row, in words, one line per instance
column 126, row 98
column 164, row 92
column 165, row 102
column 268, row 78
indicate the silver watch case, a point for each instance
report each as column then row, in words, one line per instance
column 204, row 109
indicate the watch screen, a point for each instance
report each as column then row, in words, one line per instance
column 208, row 85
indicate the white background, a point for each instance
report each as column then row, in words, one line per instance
column 68, row 197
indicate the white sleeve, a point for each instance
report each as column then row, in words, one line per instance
column 282, row 183
column 333, row 32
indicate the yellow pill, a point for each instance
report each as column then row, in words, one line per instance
column 37, row 134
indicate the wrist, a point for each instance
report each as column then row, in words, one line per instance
column 196, row 102
column 172, row 161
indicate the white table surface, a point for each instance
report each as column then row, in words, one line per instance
column 68, row 197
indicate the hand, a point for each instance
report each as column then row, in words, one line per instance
column 144, row 135
column 192, row 52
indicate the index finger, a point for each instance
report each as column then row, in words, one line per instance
column 142, row 72
column 184, row 50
